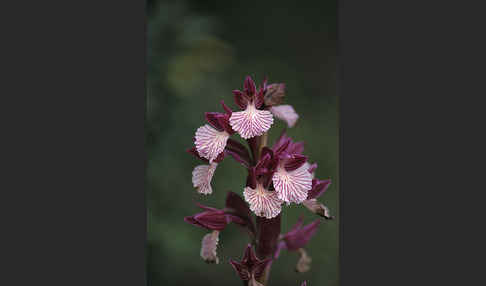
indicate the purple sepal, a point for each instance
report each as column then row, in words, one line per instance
column 281, row 143
column 249, row 86
column 251, row 179
column 250, row 266
column 296, row 148
column 295, row 162
column 209, row 219
column 219, row 158
column 237, row 157
column 280, row 149
column 212, row 218
column 259, row 98
column 299, row 236
column 193, row 151
column 234, row 203
column 226, row 108
column 224, row 122
column 318, row 188
column 280, row 246
column 312, row 168
column 239, row 149
column 265, row 151
column 214, row 119
column 240, row 270
column 265, row 84
column 241, row 99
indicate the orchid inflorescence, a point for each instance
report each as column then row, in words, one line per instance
column 277, row 176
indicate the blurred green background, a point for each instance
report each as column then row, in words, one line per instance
column 198, row 51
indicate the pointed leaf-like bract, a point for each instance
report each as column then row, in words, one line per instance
column 249, row 86
column 250, row 266
column 237, row 205
column 299, row 236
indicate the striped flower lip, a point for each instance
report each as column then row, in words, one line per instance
column 262, row 202
column 292, row 186
column 210, row 142
column 201, row 178
column 251, row 122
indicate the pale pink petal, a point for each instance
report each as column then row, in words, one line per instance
column 304, row 263
column 262, row 202
column 285, row 113
column 251, row 122
column 292, row 187
column 210, row 142
column 316, row 207
column 201, row 178
column 208, row 247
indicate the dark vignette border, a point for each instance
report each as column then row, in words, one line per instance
column 89, row 226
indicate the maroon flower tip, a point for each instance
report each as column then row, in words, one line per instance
column 251, row 179
column 241, row 99
column 249, row 86
column 193, row 151
column 265, row 83
column 312, row 168
column 259, row 98
column 318, row 188
column 250, row 266
column 240, row 269
column 249, row 258
column 206, row 207
column 296, row 148
column 213, row 119
column 299, row 236
column 191, row 220
column 226, row 108
column 295, row 162
column 238, row 205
